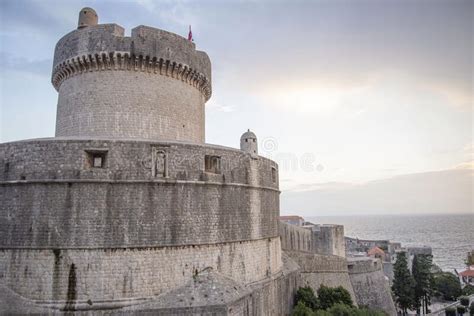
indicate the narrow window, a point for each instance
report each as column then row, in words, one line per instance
column 212, row 164
column 96, row 158
column 274, row 175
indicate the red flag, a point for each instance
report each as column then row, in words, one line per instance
column 190, row 35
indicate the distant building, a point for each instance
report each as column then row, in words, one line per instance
column 354, row 245
column 376, row 252
column 470, row 258
column 292, row 219
column 385, row 250
column 419, row 250
column 466, row 277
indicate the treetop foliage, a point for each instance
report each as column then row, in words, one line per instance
column 330, row 302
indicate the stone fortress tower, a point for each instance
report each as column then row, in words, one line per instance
column 152, row 85
column 128, row 210
column 127, row 203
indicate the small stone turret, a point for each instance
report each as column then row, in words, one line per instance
column 248, row 143
column 87, row 17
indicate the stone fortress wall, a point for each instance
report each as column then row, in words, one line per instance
column 370, row 284
column 329, row 239
column 318, row 269
column 318, row 265
column 294, row 238
column 151, row 85
column 181, row 202
column 111, row 275
column 321, row 239
column 319, row 252
column 113, row 223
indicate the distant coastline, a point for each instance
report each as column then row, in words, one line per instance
column 450, row 236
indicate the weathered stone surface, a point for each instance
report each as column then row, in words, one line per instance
column 207, row 290
column 329, row 240
column 13, row 304
column 131, row 273
column 144, row 41
column 320, row 239
column 52, row 198
column 106, row 104
column 318, row 255
column 294, row 238
column 328, row 270
column 370, row 284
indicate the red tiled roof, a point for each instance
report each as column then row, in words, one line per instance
column 375, row 250
column 291, row 217
column 467, row 273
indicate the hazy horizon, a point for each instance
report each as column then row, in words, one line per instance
column 366, row 105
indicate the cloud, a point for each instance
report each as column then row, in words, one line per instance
column 446, row 191
column 173, row 12
column 466, row 165
column 149, row 5
column 336, row 186
column 468, row 150
column 12, row 63
column 216, row 106
column 37, row 18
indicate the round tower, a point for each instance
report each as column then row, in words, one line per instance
column 248, row 142
column 87, row 17
column 129, row 205
column 151, row 85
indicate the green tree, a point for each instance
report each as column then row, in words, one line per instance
column 450, row 311
column 464, row 300
column 403, row 283
column 468, row 290
column 461, row 309
column 424, row 283
column 328, row 296
column 447, row 286
column 471, row 309
column 369, row 312
column 302, row 310
column 337, row 302
column 306, row 295
column 322, row 312
column 341, row 310
column 346, row 310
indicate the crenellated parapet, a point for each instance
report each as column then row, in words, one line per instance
column 104, row 47
column 130, row 62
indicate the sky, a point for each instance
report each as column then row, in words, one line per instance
column 367, row 105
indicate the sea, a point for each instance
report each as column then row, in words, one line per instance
column 450, row 236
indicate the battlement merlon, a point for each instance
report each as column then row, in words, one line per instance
column 104, row 45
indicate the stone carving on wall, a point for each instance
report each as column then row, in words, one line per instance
column 159, row 167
